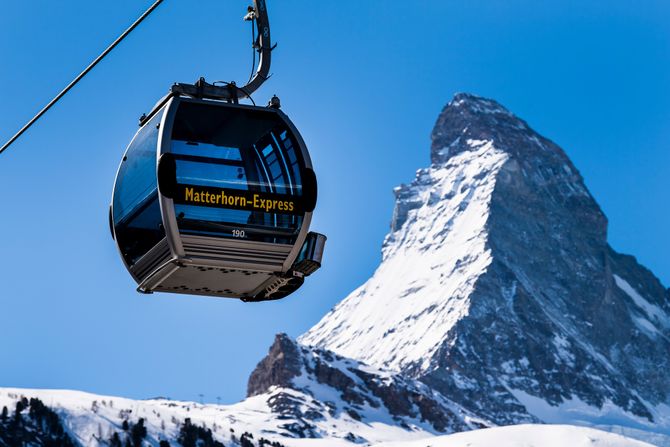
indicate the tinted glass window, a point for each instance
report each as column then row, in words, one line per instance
column 291, row 158
column 239, row 149
column 136, row 212
column 136, row 180
column 198, row 172
column 210, row 150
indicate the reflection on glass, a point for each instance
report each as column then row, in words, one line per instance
column 136, row 212
column 242, row 149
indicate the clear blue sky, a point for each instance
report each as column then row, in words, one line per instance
column 364, row 81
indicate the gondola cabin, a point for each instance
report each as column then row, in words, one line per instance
column 215, row 198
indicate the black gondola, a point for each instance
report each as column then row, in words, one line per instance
column 215, row 198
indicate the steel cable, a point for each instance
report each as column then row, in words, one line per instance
column 81, row 75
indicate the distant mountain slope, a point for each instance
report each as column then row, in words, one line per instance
column 330, row 398
column 92, row 420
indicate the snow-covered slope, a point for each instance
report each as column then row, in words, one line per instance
column 278, row 415
column 431, row 262
column 526, row 436
column 91, row 420
column 295, row 392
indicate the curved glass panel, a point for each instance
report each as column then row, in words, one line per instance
column 238, row 173
column 136, row 211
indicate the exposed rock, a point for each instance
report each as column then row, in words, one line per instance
column 280, row 366
column 322, row 375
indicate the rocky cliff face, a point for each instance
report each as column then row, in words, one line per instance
column 499, row 291
column 329, row 386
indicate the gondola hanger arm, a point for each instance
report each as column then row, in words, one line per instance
column 232, row 92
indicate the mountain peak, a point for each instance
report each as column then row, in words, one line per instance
column 477, row 104
column 469, row 117
column 278, row 368
column 498, row 288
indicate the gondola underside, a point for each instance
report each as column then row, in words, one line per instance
column 206, row 270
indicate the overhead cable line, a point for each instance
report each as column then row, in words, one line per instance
column 81, row 75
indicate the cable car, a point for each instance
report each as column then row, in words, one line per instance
column 215, row 198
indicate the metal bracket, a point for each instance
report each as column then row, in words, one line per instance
column 204, row 90
column 232, row 92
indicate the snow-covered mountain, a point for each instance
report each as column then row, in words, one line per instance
column 498, row 288
column 498, row 302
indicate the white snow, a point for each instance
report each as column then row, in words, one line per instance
column 646, row 326
column 434, row 258
column 654, row 313
column 481, row 105
column 563, row 347
column 526, row 435
column 163, row 419
column 609, row 417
